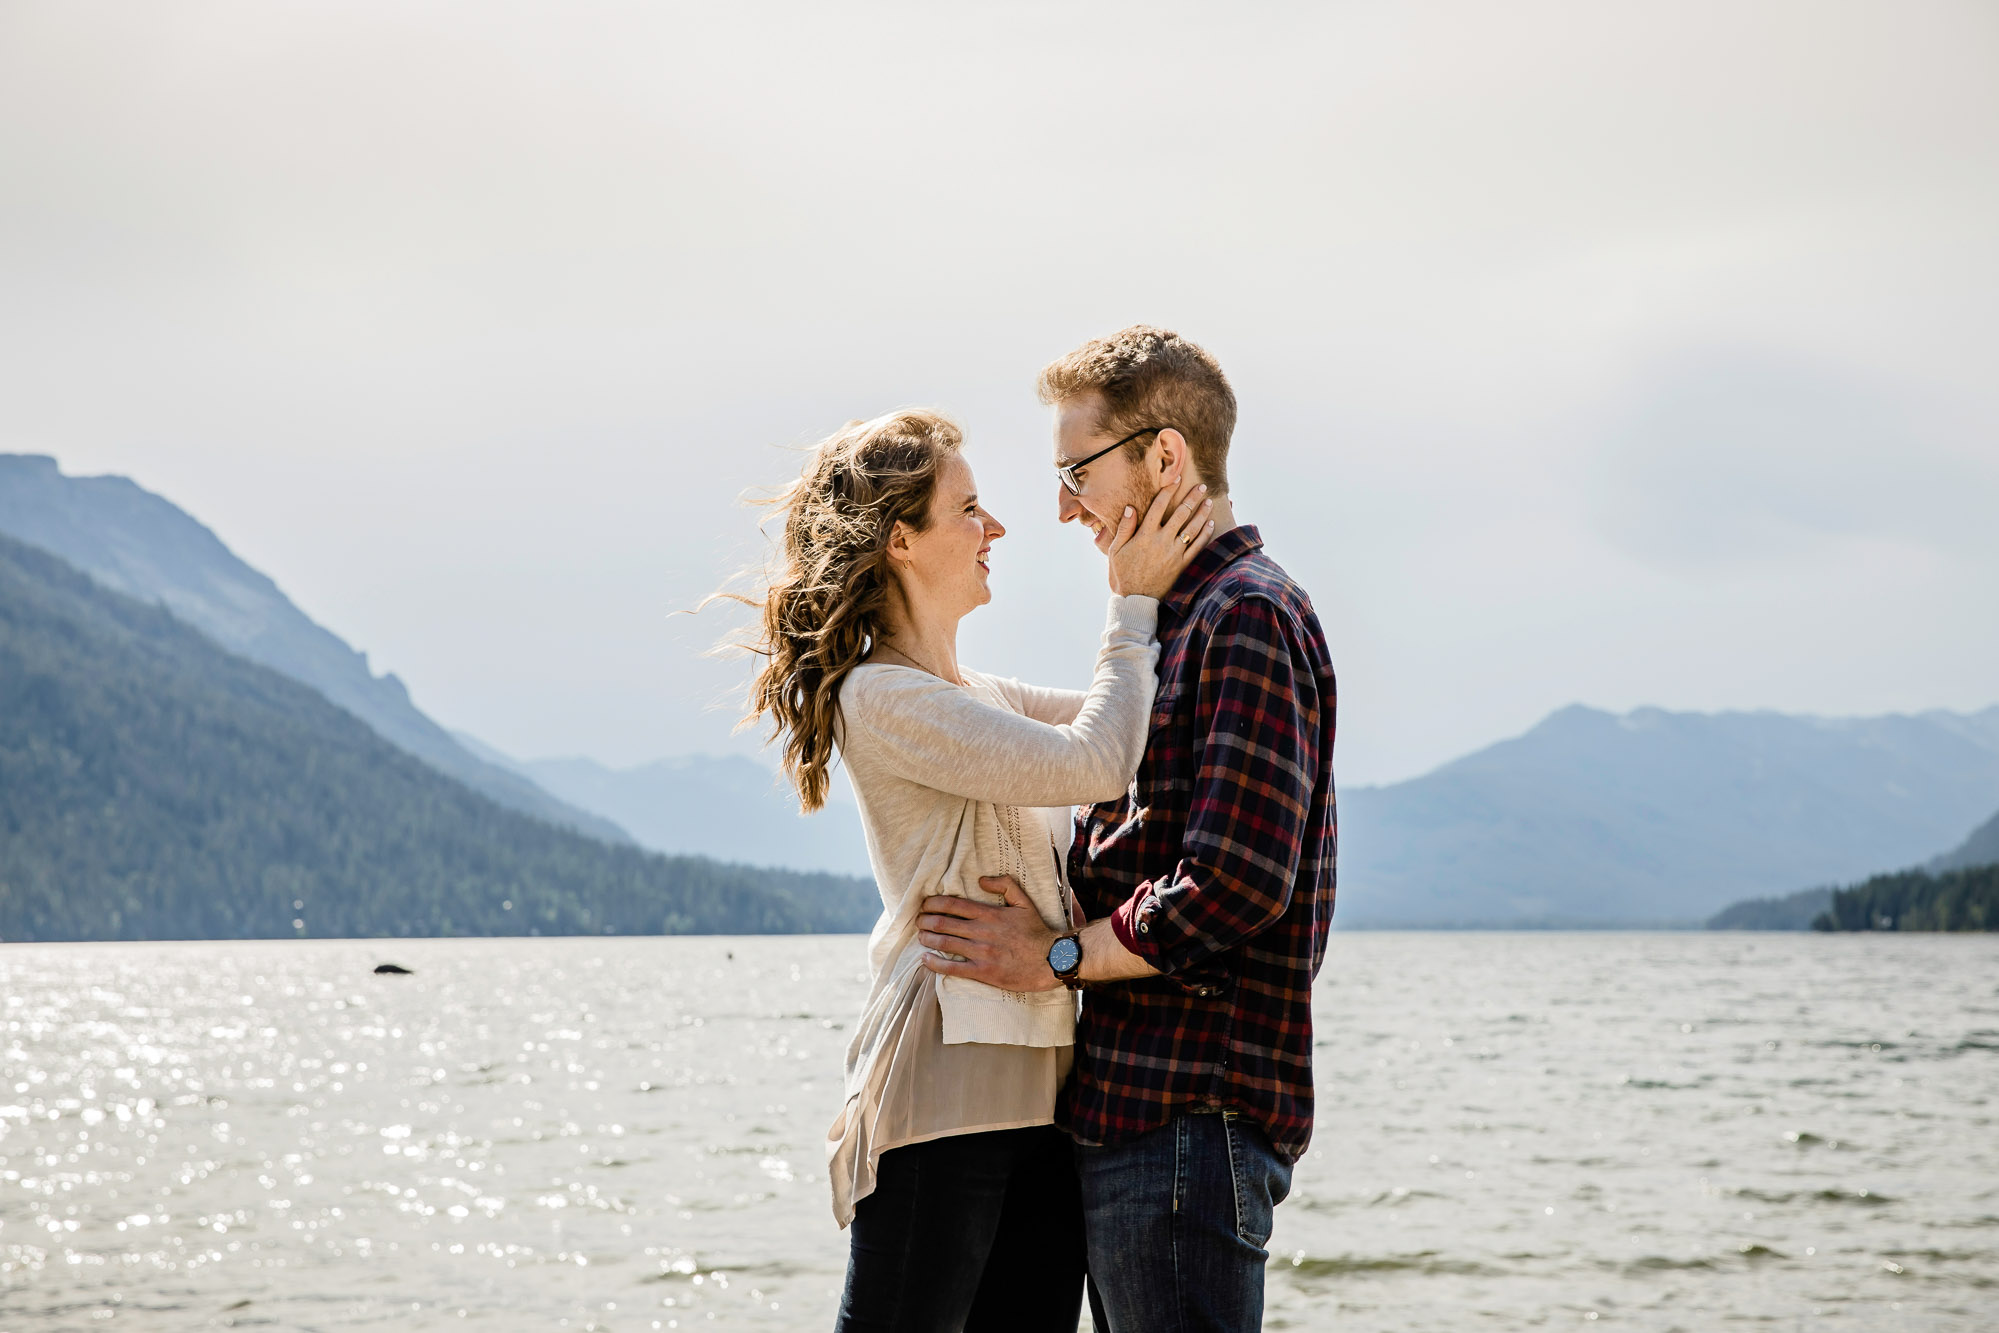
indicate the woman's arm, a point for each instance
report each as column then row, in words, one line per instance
column 1138, row 565
column 942, row 736
column 939, row 735
column 1043, row 703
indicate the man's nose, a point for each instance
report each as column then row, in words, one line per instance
column 1067, row 507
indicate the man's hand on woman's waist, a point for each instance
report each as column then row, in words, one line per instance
column 1006, row 944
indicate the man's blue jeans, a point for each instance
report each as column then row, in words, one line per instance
column 1177, row 1220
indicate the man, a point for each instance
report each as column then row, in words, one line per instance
column 1207, row 887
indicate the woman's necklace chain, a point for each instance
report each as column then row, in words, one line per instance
column 920, row 665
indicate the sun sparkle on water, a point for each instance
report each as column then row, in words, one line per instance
column 1664, row 1131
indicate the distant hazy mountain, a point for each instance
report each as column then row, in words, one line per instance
column 1798, row 911
column 727, row 807
column 1658, row 818
column 1980, row 849
column 1652, row 818
column 137, row 543
column 1793, row 911
column 153, row 786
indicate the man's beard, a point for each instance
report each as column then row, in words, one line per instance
column 1137, row 503
column 1141, row 498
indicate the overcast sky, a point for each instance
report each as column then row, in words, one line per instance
column 1621, row 354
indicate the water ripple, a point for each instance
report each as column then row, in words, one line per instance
column 1657, row 1131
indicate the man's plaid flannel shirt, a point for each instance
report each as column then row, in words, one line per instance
column 1217, row 867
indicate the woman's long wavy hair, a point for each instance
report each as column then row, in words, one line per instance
column 824, row 604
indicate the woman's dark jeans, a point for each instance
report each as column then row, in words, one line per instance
column 979, row 1232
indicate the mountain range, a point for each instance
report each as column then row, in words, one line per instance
column 135, row 542
column 724, row 806
column 1655, row 818
column 1980, row 849
column 1646, row 818
column 155, row 786
column 1642, row 819
column 1803, row 909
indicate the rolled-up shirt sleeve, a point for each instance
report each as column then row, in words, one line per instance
column 1256, row 755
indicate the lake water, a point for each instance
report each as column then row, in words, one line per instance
column 1656, row 1131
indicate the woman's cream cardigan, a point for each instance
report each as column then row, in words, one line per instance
column 955, row 782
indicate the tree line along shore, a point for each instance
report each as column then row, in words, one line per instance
column 1955, row 900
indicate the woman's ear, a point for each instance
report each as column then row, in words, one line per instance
column 898, row 543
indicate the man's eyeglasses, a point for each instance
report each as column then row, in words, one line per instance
column 1067, row 471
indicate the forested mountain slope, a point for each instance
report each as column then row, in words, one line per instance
column 153, row 786
column 140, row 544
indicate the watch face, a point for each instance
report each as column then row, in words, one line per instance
column 1064, row 954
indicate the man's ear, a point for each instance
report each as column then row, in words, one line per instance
column 1171, row 464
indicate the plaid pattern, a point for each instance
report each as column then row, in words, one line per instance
column 1216, row 867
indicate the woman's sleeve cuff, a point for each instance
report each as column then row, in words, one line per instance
column 1138, row 615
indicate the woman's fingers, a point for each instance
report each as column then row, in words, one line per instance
column 1186, row 520
column 1190, row 542
column 1127, row 526
column 1168, row 500
column 1147, row 556
column 1161, row 506
column 1189, row 526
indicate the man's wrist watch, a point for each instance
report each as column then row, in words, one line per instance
column 1065, row 960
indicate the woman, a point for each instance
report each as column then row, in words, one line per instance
column 960, row 1192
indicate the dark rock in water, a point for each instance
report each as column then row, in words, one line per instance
column 391, row 969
